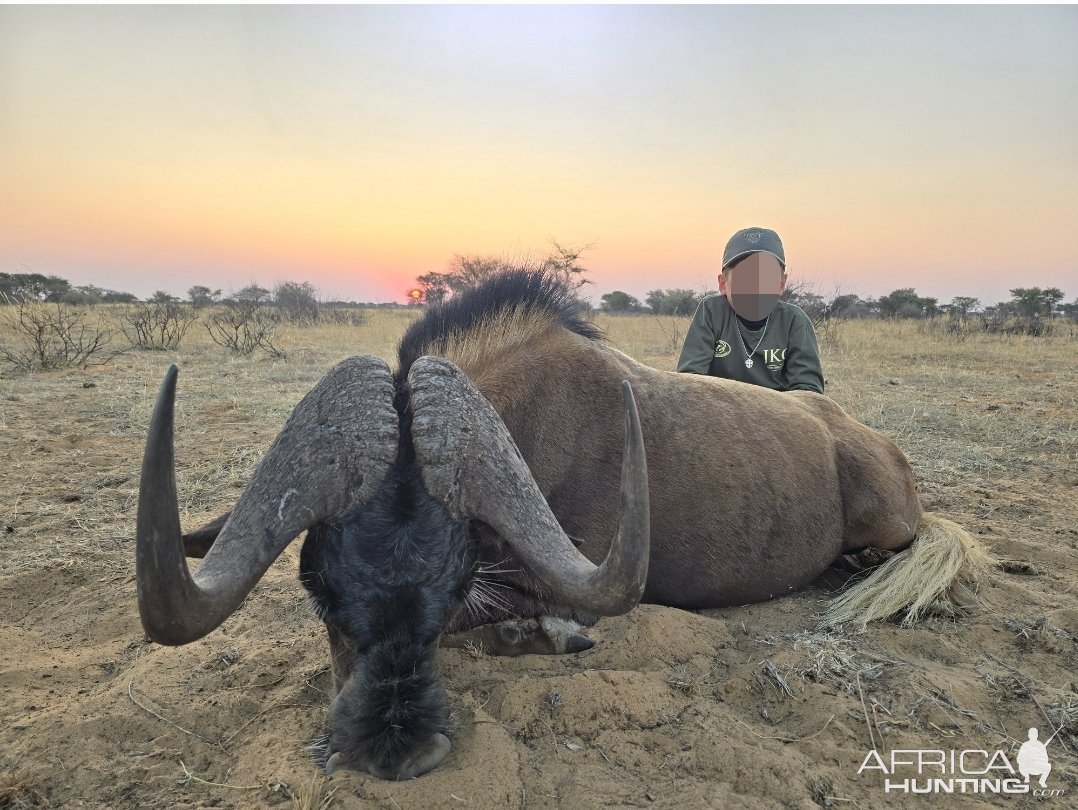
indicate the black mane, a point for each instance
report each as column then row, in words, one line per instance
column 528, row 291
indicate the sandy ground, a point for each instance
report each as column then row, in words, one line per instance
column 745, row 707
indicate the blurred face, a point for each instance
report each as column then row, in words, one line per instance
column 753, row 285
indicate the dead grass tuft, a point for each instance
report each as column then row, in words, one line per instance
column 834, row 658
column 1039, row 632
column 1064, row 718
column 1010, row 686
column 312, row 795
column 22, row 789
column 688, row 681
column 770, row 674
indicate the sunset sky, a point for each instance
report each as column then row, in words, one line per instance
column 146, row 148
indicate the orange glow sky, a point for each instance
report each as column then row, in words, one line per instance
column 146, row 148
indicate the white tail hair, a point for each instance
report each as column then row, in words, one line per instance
column 932, row 574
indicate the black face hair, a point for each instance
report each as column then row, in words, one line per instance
column 387, row 578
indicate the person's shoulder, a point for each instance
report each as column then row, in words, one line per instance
column 718, row 310
column 792, row 313
column 716, row 302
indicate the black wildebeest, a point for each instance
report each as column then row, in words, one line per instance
column 443, row 496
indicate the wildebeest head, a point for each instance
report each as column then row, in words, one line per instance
column 386, row 479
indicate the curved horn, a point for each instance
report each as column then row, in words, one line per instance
column 331, row 456
column 455, row 429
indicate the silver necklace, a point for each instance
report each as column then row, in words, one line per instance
column 745, row 346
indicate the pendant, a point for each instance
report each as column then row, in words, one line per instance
column 748, row 362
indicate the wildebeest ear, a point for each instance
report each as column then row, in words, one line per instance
column 198, row 542
column 576, row 541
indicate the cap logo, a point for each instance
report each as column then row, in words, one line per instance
column 752, row 237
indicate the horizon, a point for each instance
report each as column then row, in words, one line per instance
column 593, row 299
column 357, row 148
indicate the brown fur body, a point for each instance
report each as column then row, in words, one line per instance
column 753, row 492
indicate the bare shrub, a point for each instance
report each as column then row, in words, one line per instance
column 1002, row 324
column 342, row 316
column 954, row 328
column 673, row 332
column 959, row 327
column 246, row 323
column 297, row 301
column 43, row 336
column 160, row 323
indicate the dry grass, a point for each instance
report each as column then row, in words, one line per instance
column 980, row 421
column 988, row 439
column 312, row 795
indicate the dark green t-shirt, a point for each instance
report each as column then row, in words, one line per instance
column 788, row 357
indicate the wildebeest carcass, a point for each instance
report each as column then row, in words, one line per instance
column 479, row 481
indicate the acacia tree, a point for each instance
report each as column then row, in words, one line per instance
column 564, row 262
column 468, row 271
column 803, row 294
column 465, row 272
column 32, row 286
column 964, row 304
column 1032, row 302
column 297, row 300
column 906, row 303
column 201, row 296
column 1052, row 296
column 673, row 302
column 618, row 301
column 434, row 287
column 1027, row 301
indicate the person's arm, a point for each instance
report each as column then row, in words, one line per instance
column 699, row 348
column 803, row 369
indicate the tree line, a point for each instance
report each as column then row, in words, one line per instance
column 1025, row 302
column 44, row 322
column 53, row 289
column 299, row 302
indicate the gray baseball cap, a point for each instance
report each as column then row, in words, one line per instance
column 753, row 240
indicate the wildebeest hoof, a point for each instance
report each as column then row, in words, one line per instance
column 336, row 763
column 418, row 764
column 564, row 635
column 546, row 635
